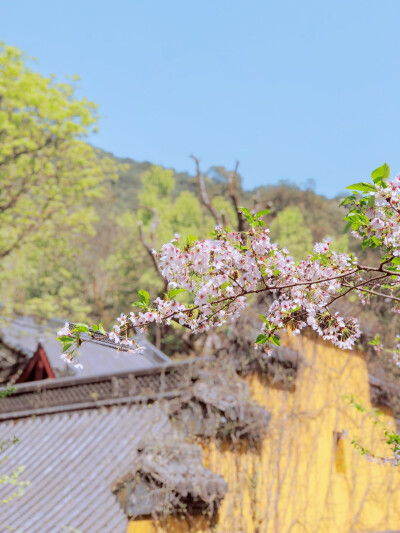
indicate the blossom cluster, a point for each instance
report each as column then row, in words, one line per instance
column 396, row 352
column 392, row 461
column 381, row 216
column 68, row 356
column 220, row 274
column 211, row 281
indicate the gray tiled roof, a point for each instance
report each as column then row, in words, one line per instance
column 81, row 438
column 72, row 460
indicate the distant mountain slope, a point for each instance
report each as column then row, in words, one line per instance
column 321, row 214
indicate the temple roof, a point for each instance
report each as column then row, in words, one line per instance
column 81, row 440
column 21, row 337
column 71, row 461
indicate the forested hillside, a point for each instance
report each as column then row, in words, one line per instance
column 166, row 202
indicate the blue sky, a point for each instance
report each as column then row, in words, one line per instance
column 293, row 90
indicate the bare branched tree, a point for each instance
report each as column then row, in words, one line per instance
column 203, row 192
column 150, row 247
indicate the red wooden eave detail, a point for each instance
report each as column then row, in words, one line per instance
column 37, row 368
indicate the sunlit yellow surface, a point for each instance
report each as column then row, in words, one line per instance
column 304, row 478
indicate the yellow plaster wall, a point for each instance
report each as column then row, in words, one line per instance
column 301, row 479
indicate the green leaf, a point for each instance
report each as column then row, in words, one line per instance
column 348, row 200
column 143, row 299
column 65, row 338
column 101, row 329
column 95, row 328
column 245, row 211
column 261, row 339
column 247, row 215
column 174, row 292
column 81, row 325
column 275, row 340
column 262, row 213
column 191, row 239
column 348, row 226
column 375, row 341
column 140, row 303
column 264, row 319
column 357, row 215
column 362, row 187
column 366, row 243
column 67, row 345
column 380, row 174
column 80, row 328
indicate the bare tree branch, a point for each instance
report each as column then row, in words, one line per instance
column 154, row 223
column 153, row 229
column 146, row 245
column 203, row 193
column 232, row 180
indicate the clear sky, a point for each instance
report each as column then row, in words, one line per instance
column 294, row 90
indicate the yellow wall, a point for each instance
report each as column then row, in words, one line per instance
column 302, row 479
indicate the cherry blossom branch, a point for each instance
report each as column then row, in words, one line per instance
column 218, row 274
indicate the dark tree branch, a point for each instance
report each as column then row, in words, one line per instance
column 149, row 248
column 154, row 223
column 203, row 193
column 232, row 181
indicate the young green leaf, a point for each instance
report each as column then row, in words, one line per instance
column 262, row 213
column 348, row 200
column 140, row 303
column 379, row 175
column 245, row 211
column 261, row 339
column 144, row 296
column 275, row 340
column 65, row 338
column 362, row 187
column 264, row 319
column 174, row 292
column 366, row 243
column 375, row 341
column 247, row 215
column 80, row 328
column 190, row 240
column 67, row 345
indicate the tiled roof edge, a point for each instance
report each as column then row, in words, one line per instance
column 66, row 394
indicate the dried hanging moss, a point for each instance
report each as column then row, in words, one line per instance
column 218, row 405
column 169, row 479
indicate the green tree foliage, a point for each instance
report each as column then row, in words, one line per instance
column 288, row 229
column 124, row 264
column 182, row 214
column 50, row 179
